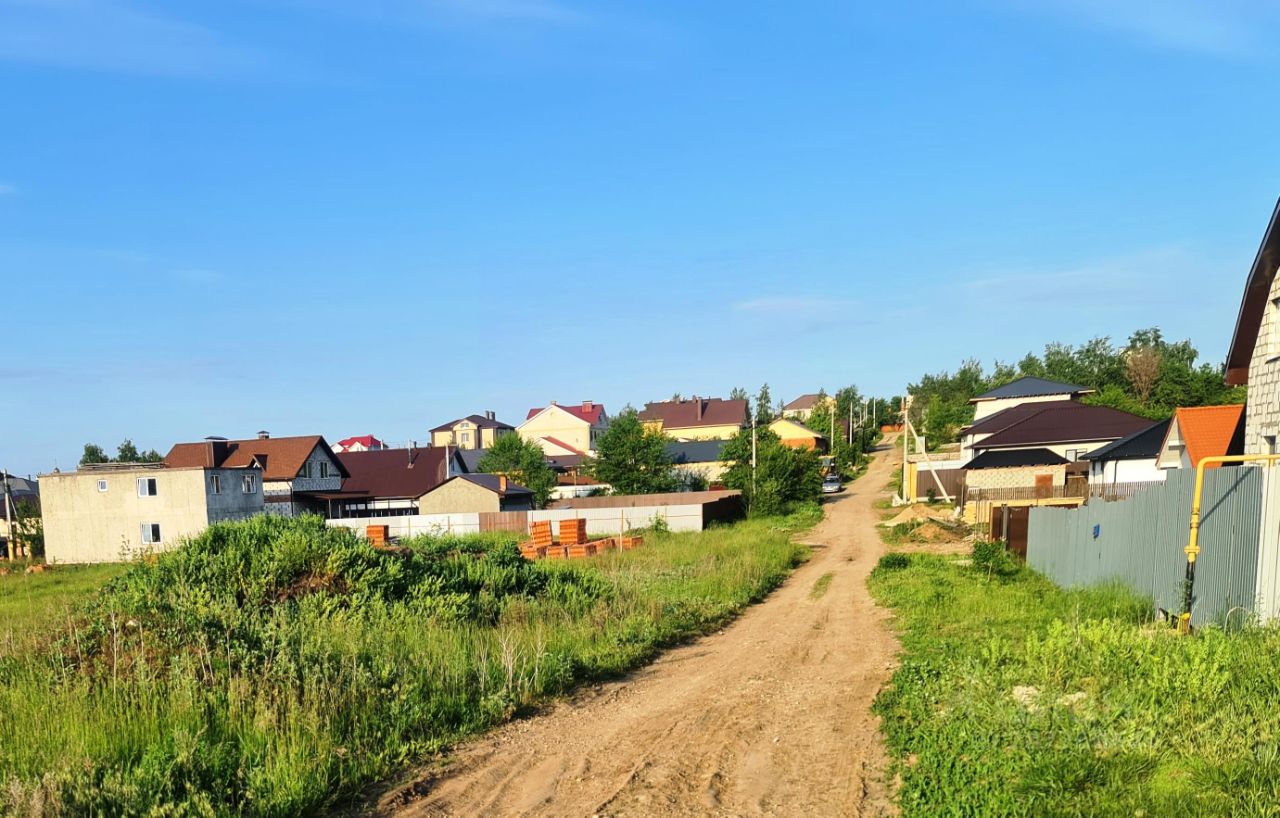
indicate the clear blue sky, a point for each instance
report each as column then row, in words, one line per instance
column 373, row 217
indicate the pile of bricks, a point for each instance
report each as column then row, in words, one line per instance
column 573, row 544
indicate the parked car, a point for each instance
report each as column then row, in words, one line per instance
column 831, row 484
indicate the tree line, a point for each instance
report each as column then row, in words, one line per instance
column 126, row 452
column 1148, row 376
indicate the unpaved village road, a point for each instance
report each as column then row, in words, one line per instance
column 771, row 716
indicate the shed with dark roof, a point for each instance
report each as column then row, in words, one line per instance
column 469, row 493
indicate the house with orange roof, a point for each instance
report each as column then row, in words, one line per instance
column 1202, row 431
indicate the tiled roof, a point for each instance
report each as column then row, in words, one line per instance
column 1142, row 444
column 1032, row 387
column 393, row 473
column 587, row 410
column 1015, row 458
column 479, row 421
column 368, row 441
column 687, row 414
column 801, row 403
column 281, row 458
column 1210, row 431
column 1075, row 423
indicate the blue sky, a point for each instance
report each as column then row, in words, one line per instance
column 348, row 218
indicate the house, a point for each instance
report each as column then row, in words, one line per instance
column 696, row 418
column 565, row 429
column 364, row 443
column 388, row 482
column 114, row 511
column 1024, row 390
column 17, row 494
column 991, row 424
column 296, row 471
column 1131, row 459
column 475, row 492
column 698, row 460
column 798, row 436
column 1199, row 432
column 1254, row 355
column 472, row 432
column 803, row 406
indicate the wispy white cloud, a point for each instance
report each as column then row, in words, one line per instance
column 1218, row 27
column 114, row 35
column 802, row 312
column 7, row 189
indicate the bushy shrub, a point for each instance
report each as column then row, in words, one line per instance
column 893, row 561
column 992, row 557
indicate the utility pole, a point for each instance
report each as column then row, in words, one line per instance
column 8, row 518
column 753, row 457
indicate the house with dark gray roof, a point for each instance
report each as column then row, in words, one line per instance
column 1024, row 390
column 1130, row 459
column 698, row 460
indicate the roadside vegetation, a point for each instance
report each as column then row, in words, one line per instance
column 32, row 603
column 1017, row 698
column 275, row 667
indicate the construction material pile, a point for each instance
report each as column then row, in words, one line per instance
column 573, row 544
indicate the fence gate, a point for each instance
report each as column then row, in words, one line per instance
column 504, row 521
column 1014, row 533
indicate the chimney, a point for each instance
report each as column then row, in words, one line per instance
column 264, row 435
column 553, row 403
column 489, row 414
column 502, row 484
column 586, row 405
column 698, row 402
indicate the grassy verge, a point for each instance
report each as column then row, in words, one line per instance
column 1017, row 698
column 272, row 667
column 30, row 602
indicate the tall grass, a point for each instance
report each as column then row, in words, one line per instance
column 30, row 602
column 1017, row 698
column 271, row 667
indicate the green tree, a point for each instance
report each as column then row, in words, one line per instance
column 764, row 407
column 93, row 454
column 738, row 393
column 783, row 477
column 523, row 462
column 633, row 459
column 126, row 452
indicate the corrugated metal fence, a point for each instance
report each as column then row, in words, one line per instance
column 1140, row 541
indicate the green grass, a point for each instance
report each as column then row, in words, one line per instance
column 821, row 585
column 30, row 602
column 1017, row 698
column 276, row 668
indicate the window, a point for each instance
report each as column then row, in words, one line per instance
column 1273, row 317
column 102, row 485
column 150, row 533
column 466, row 438
column 215, row 483
column 249, row 484
column 146, row 487
column 1269, row 444
column 324, row 469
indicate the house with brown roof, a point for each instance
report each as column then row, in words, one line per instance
column 803, row 406
column 388, row 482
column 296, row 471
column 696, row 418
column 1254, row 355
column 1199, row 432
column 565, row 429
column 471, row 432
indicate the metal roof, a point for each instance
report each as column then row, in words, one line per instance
column 1076, row 423
column 1029, row 386
column 1257, row 288
column 1141, row 445
column 695, row 451
column 1014, row 458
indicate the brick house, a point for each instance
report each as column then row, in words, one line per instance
column 1254, row 355
column 472, row 432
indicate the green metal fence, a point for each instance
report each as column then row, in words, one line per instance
column 1139, row 541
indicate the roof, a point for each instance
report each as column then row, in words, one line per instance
column 1257, row 288
column 393, row 473
column 795, row 424
column 695, row 412
column 1032, row 387
column 555, row 441
column 1015, row 458
column 281, row 458
column 589, row 411
column 695, row 451
column 492, row 482
column 1141, row 445
column 479, row 421
column 1211, row 431
column 1014, row 414
column 1074, row 423
column 803, row 402
column 368, row 441
column 471, row 458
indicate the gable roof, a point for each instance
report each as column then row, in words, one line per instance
column 1074, row 423
column 1140, row 445
column 368, row 441
column 696, row 451
column 1015, row 458
column 803, row 402
column 588, row 411
column 1029, row 386
column 696, row 412
column 479, row 421
column 281, row 458
column 1257, row 288
column 1014, row 414
column 1209, row 431
column 491, row 482
column 796, row 425
column 393, row 473
column 558, row 443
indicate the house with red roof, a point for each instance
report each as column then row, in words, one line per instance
column 1202, row 431
column 565, row 429
column 363, row 443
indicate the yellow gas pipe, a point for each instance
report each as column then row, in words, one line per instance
column 1193, row 541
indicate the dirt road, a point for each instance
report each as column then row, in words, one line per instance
column 771, row 716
